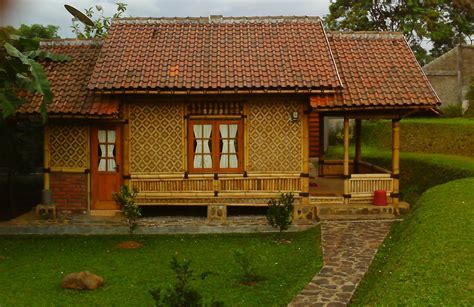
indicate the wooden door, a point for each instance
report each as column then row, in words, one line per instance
column 106, row 166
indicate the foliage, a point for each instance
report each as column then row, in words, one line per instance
column 20, row 73
column 470, row 98
column 38, row 31
column 453, row 135
column 131, row 273
column 101, row 23
column 248, row 270
column 444, row 23
column 418, row 171
column 125, row 198
column 452, row 110
column 181, row 294
column 280, row 211
column 427, row 258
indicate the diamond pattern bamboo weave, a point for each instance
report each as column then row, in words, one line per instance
column 68, row 145
column 157, row 138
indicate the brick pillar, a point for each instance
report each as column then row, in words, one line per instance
column 69, row 191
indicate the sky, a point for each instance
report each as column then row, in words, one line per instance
column 52, row 11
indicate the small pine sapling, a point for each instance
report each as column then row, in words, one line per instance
column 125, row 198
column 182, row 294
column 280, row 211
column 249, row 275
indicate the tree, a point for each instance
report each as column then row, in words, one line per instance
column 101, row 23
column 21, row 74
column 37, row 31
column 443, row 23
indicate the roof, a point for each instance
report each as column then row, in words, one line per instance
column 378, row 69
column 281, row 54
column 68, row 80
column 215, row 53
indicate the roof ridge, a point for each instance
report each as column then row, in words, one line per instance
column 216, row 19
column 365, row 34
column 71, row 42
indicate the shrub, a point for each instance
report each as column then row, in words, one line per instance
column 279, row 213
column 181, row 294
column 125, row 198
column 452, row 110
column 249, row 275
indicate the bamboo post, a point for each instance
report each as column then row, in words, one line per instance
column 246, row 136
column 321, row 145
column 88, row 166
column 305, row 156
column 185, row 138
column 126, row 144
column 346, row 160
column 357, row 159
column 46, row 158
column 396, row 163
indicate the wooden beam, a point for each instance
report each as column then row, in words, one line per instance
column 357, row 158
column 346, row 158
column 396, row 163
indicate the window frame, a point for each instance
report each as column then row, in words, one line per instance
column 215, row 141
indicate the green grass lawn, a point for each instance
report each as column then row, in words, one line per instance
column 32, row 267
column 428, row 259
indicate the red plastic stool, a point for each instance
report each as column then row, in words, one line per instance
column 380, row 198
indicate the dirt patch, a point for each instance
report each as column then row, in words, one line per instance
column 129, row 245
column 283, row 241
column 3, row 258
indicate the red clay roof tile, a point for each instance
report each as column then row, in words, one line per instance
column 68, row 80
column 377, row 69
column 202, row 53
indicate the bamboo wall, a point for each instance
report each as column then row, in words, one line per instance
column 275, row 143
column 273, row 150
column 68, row 146
column 156, row 137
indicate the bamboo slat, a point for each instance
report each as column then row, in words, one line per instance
column 68, row 169
column 46, row 157
column 396, row 161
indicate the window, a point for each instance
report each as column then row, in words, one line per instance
column 215, row 145
column 106, row 151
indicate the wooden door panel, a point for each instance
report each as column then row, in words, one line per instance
column 106, row 162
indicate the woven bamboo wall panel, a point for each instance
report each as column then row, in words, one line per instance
column 68, row 146
column 156, row 143
column 275, row 143
column 173, row 185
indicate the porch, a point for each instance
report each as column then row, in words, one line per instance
column 344, row 189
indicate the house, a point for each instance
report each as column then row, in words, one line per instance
column 451, row 73
column 221, row 112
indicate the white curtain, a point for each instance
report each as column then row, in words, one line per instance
column 202, row 153
column 233, row 161
column 103, row 154
column 110, row 150
column 229, row 142
column 224, row 130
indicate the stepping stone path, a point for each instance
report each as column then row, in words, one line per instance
column 348, row 249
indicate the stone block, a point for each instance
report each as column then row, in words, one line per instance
column 217, row 213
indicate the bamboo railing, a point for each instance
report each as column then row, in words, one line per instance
column 362, row 186
column 173, row 186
